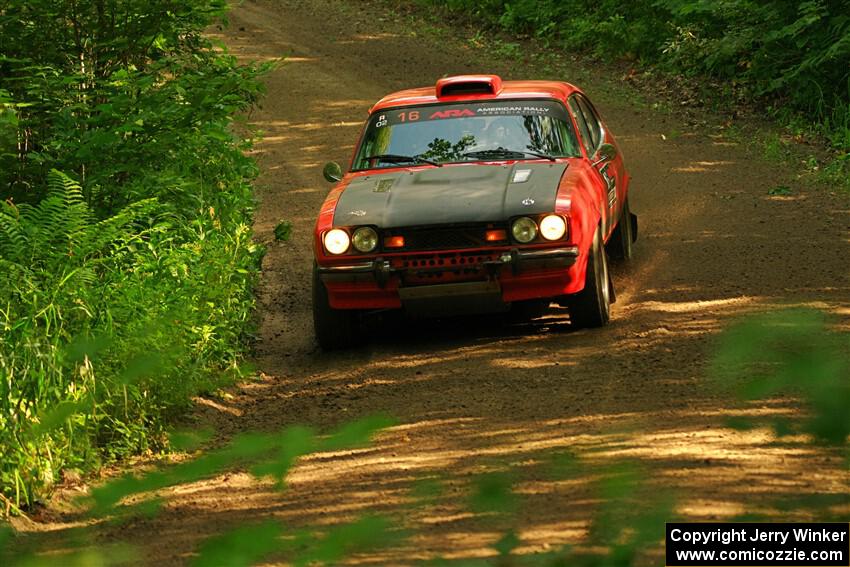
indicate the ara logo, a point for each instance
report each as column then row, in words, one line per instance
column 453, row 113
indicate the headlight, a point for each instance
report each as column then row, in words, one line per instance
column 553, row 227
column 337, row 241
column 365, row 239
column 524, row 230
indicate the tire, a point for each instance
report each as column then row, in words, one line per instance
column 335, row 328
column 591, row 307
column 620, row 245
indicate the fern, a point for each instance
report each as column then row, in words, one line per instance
column 95, row 256
column 14, row 241
column 61, row 229
column 113, row 231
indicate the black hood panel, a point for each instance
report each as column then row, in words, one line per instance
column 449, row 194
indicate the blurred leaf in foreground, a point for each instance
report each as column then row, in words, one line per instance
column 262, row 454
column 493, row 492
column 356, row 433
column 241, row 547
column 366, row 533
column 790, row 353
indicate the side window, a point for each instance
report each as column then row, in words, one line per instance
column 592, row 120
column 568, row 136
column 586, row 138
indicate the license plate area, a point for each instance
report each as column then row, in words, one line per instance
column 458, row 298
column 445, row 267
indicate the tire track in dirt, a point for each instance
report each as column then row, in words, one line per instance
column 713, row 244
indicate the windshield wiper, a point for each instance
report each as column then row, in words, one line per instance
column 395, row 158
column 504, row 152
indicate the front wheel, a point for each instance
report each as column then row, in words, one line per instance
column 591, row 307
column 335, row 328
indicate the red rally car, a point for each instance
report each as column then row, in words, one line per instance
column 474, row 195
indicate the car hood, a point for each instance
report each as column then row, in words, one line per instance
column 449, row 194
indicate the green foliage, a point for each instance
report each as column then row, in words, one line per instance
column 342, row 541
column 263, row 455
column 792, row 56
column 621, row 528
column 493, row 493
column 243, row 546
column 143, row 243
column 795, row 50
column 790, row 353
column 357, row 432
column 283, row 231
column 786, row 353
column 780, row 190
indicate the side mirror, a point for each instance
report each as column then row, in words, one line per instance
column 606, row 152
column 332, row 172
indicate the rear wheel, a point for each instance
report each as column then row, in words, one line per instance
column 591, row 307
column 622, row 239
column 335, row 328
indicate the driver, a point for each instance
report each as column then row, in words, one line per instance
column 503, row 132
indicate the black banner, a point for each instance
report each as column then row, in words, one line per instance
column 757, row 544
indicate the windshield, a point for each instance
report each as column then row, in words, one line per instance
column 445, row 133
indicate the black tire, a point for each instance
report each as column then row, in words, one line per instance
column 334, row 328
column 622, row 239
column 591, row 307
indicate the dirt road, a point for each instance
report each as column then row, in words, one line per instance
column 713, row 244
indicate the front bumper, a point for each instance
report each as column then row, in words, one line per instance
column 510, row 275
column 517, row 260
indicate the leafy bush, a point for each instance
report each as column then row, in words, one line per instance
column 797, row 52
column 793, row 55
column 143, row 242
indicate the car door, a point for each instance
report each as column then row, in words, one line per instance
column 611, row 173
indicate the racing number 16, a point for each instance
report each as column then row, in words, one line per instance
column 411, row 116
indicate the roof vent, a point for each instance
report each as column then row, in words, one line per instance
column 469, row 85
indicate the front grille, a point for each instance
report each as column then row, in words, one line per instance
column 445, row 238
